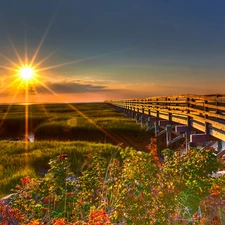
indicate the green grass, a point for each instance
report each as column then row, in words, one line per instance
column 120, row 124
column 77, row 125
column 66, row 122
column 16, row 163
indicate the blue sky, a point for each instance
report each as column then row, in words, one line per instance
column 123, row 49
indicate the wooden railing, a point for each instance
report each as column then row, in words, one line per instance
column 203, row 112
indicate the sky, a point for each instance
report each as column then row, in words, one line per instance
column 97, row 50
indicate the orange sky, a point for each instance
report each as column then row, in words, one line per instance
column 112, row 49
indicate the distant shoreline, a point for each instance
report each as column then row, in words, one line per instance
column 45, row 103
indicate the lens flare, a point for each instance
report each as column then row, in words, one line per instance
column 26, row 73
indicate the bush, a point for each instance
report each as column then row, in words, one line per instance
column 129, row 187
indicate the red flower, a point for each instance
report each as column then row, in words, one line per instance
column 46, row 200
column 44, row 210
column 99, row 217
column 59, row 221
column 80, row 203
column 26, row 180
column 63, row 156
column 69, row 195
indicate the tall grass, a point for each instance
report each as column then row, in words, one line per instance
column 16, row 163
column 119, row 124
column 60, row 122
column 56, row 118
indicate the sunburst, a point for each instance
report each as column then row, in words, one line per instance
column 27, row 73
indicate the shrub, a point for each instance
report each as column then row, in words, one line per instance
column 129, row 187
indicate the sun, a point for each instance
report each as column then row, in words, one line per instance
column 26, row 73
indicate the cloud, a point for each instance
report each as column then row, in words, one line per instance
column 70, row 86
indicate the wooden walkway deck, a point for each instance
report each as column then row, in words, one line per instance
column 205, row 113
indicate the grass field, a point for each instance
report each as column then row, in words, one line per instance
column 75, row 129
column 181, row 182
column 16, row 164
column 75, row 122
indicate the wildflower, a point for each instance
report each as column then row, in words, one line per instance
column 80, row 203
column 215, row 191
column 63, row 156
column 25, row 181
column 202, row 221
column 99, row 216
column 35, row 222
column 69, row 195
column 196, row 216
column 46, row 200
column 59, row 221
column 44, row 209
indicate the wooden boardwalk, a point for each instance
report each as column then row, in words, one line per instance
column 205, row 113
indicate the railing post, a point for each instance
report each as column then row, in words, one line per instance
column 187, row 133
column 149, row 120
column 206, row 117
column 143, row 117
column 148, row 123
column 168, row 134
column 125, row 109
column 128, row 111
column 137, row 116
column 156, row 128
column 219, row 144
column 217, row 104
column 170, row 117
column 157, row 124
column 133, row 112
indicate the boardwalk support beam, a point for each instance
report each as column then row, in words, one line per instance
column 185, row 130
column 142, row 120
column 150, row 120
column 197, row 138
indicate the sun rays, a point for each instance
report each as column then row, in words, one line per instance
column 24, row 75
column 27, row 73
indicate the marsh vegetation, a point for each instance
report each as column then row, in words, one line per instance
column 76, row 129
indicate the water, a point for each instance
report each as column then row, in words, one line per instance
column 31, row 137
